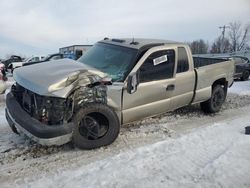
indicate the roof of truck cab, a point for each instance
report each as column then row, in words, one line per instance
column 137, row 43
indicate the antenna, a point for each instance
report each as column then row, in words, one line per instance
column 133, row 41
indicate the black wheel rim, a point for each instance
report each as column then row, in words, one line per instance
column 91, row 129
column 218, row 99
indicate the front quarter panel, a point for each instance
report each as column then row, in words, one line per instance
column 114, row 98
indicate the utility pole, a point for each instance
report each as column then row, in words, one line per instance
column 222, row 45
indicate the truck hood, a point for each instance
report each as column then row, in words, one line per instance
column 56, row 78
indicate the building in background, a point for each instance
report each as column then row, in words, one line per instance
column 74, row 51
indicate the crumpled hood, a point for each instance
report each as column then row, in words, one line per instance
column 50, row 78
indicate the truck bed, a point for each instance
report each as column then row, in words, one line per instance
column 204, row 61
column 209, row 70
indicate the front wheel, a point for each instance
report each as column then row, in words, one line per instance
column 214, row 104
column 95, row 125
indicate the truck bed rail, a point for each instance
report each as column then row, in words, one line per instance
column 204, row 61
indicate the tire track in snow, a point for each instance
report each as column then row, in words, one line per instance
column 197, row 159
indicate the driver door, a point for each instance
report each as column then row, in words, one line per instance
column 156, row 85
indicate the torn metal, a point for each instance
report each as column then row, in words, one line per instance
column 49, row 110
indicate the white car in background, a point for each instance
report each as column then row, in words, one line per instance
column 15, row 65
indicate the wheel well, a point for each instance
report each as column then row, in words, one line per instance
column 222, row 82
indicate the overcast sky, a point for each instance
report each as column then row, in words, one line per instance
column 38, row 27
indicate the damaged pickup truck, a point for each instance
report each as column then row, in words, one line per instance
column 116, row 82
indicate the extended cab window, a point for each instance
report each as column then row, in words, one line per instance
column 158, row 66
column 182, row 64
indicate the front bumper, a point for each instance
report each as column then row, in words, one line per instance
column 21, row 121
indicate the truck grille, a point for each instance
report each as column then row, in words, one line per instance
column 48, row 110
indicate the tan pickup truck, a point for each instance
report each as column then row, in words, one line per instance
column 115, row 82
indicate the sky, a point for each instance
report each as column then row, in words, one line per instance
column 33, row 27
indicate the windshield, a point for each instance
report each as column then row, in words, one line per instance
column 114, row 60
column 27, row 59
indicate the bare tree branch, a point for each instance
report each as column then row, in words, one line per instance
column 245, row 38
column 238, row 37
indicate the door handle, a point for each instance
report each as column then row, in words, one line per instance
column 170, row 87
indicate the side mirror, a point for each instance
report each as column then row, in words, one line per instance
column 133, row 81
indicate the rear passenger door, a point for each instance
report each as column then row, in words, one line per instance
column 185, row 80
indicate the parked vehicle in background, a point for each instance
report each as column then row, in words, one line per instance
column 13, row 58
column 50, row 57
column 3, row 79
column 2, row 66
column 115, row 82
column 242, row 68
column 31, row 59
column 3, row 72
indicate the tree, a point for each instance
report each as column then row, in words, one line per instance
column 238, row 36
column 218, row 43
column 216, row 46
column 199, row 47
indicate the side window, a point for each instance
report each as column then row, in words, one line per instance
column 237, row 60
column 56, row 57
column 34, row 59
column 182, row 64
column 31, row 60
column 159, row 65
column 16, row 59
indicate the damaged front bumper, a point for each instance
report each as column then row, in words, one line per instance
column 43, row 134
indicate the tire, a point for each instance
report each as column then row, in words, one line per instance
column 247, row 130
column 245, row 75
column 95, row 125
column 214, row 104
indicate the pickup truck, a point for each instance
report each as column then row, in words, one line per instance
column 115, row 82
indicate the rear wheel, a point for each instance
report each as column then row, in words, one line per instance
column 245, row 75
column 96, row 125
column 215, row 102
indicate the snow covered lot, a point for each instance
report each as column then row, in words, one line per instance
column 185, row 148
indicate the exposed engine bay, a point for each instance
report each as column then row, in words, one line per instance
column 54, row 110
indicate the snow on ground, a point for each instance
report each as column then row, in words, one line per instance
column 185, row 148
column 240, row 88
column 215, row 156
